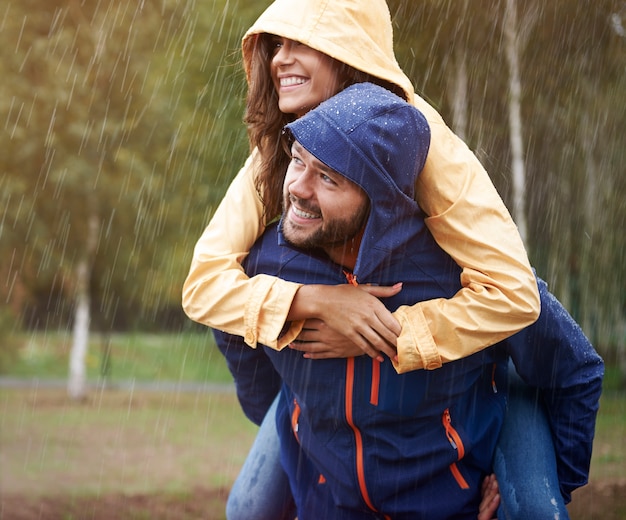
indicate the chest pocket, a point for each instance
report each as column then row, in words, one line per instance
column 398, row 394
column 421, row 392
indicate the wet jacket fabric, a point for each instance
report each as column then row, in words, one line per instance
column 555, row 357
column 359, row 439
column 466, row 216
column 552, row 355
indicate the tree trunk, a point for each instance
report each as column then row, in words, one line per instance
column 518, row 168
column 77, row 380
column 459, row 94
column 77, row 383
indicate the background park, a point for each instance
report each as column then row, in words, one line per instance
column 121, row 125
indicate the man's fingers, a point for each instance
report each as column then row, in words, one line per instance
column 382, row 291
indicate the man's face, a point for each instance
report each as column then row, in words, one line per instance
column 321, row 208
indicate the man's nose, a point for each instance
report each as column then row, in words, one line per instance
column 302, row 187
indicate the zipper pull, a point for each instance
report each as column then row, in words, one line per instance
column 351, row 277
column 447, row 425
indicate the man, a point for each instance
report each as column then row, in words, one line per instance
column 357, row 439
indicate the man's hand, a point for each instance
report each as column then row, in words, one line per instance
column 490, row 498
column 352, row 316
column 318, row 341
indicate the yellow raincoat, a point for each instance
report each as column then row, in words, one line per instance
column 466, row 216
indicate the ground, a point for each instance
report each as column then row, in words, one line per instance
column 117, row 507
column 596, row 501
column 51, row 450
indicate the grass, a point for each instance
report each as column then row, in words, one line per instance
column 609, row 455
column 182, row 357
column 167, row 445
column 119, row 442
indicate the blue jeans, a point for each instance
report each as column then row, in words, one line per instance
column 261, row 491
column 524, row 464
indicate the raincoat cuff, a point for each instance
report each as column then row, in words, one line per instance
column 266, row 312
column 416, row 346
column 295, row 327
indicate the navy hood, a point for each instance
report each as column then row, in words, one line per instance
column 380, row 142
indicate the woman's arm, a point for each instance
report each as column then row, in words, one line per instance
column 471, row 223
column 217, row 292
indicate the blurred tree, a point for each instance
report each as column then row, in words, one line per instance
column 575, row 70
column 130, row 115
column 515, row 38
column 99, row 191
column 86, row 177
column 572, row 100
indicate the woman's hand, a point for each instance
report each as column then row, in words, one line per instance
column 490, row 498
column 352, row 317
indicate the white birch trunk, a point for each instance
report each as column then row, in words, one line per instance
column 459, row 95
column 518, row 167
column 77, row 379
column 77, row 382
column 592, row 217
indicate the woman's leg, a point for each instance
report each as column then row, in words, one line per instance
column 261, row 491
column 525, row 462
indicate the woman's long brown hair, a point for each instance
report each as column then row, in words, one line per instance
column 265, row 121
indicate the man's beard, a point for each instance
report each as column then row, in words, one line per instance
column 331, row 233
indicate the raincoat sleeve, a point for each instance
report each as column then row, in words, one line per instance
column 256, row 381
column 554, row 356
column 217, row 292
column 469, row 220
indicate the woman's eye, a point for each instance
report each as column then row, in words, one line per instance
column 276, row 43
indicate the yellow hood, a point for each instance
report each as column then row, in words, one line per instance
column 355, row 32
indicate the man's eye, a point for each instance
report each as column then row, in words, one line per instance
column 327, row 179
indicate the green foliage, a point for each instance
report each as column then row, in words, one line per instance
column 185, row 358
column 132, row 112
column 120, row 112
column 9, row 347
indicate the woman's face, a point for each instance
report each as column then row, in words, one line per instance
column 303, row 77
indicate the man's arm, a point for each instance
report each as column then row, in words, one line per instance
column 256, row 381
column 554, row 355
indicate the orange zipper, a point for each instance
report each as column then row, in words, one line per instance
column 295, row 415
column 351, row 278
column 374, row 391
column 360, row 466
column 457, row 444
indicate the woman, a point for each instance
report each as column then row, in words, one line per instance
column 466, row 215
